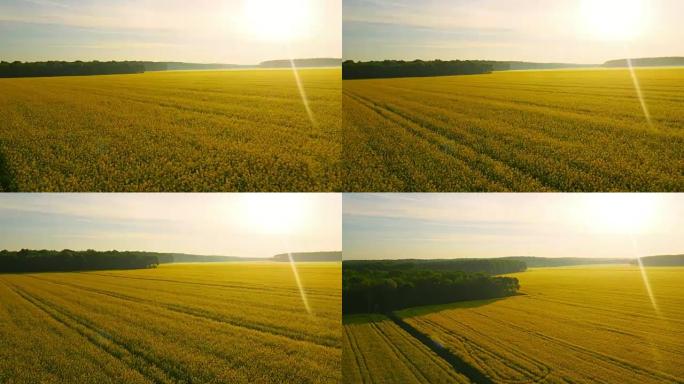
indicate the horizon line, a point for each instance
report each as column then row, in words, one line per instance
column 177, row 253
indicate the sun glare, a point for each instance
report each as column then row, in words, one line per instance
column 277, row 20
column 619, row 213
column 616, row 20
column 280, row 213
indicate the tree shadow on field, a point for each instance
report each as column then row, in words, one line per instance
column 472, row 372
column 7, row 183
column 365, row 318
column 428, row 309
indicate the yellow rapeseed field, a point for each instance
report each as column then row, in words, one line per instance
column 376, row 350
column 566, row 130
column 172, row 131
column 179, row 323
column 570, row 325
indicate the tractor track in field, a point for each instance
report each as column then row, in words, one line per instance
column 449, row 148
column 416, row 343
column 152, row 371
column 200, row 314
column 475, row 352
column 542, row 139
column 400, row 355
column 594, row 354
column 294, row 291
column 360, row 359
column 467, row 139
column 460, row 365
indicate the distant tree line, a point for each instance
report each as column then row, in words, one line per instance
column 416, row 68
column 536, row 262
column 646, row 62
column 27, row 260
column 661, row 261
column 302, row 63
column 65, row 68
column 309, row 256
column 377, row 290
column 487, row 266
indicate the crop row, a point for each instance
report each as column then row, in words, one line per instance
column 195, row 131
column 581, row 330
column 377, row 351
column 556, row 130
column 174, row 333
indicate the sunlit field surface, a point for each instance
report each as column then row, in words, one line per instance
column 172, row 131
column 567, row 130
column 376, row 350
column 570, row 325
column 199, row 323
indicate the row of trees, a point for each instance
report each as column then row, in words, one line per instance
column 487, row 266
column 416, row 68
column 647, row 62
column 661, row 261
column 381, row 291
column 65, row 68
column 545, row 262
column 309, row 256
column 27, row 260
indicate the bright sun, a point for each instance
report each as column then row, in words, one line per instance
column 276, row 213
column 616, row 20
column 277, row 20
column 619, row 213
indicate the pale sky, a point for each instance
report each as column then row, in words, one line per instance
column 569, row 31
column 203, row 31
column 239, row 224
column 396, row 226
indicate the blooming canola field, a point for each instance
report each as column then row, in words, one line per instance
column 569, row 325
column 556, row 130
column 199, row 323
column 246, row 130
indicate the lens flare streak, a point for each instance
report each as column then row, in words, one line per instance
column 302, row 92
column 640, row 95
column 302, row 293
column 647, row 284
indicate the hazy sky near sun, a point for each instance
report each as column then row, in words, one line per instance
column 528, row 30
column 206, row 31
column 395, row 226
column 240, row 224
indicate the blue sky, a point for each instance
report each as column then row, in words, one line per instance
column 378, row 226
column 529, row 30
column 255, row 225
column 205, row 31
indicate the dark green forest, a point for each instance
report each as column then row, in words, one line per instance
column 85, row 68
column 27, row 260
column 416, row 68
column 384, row 286
column 64, row 68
